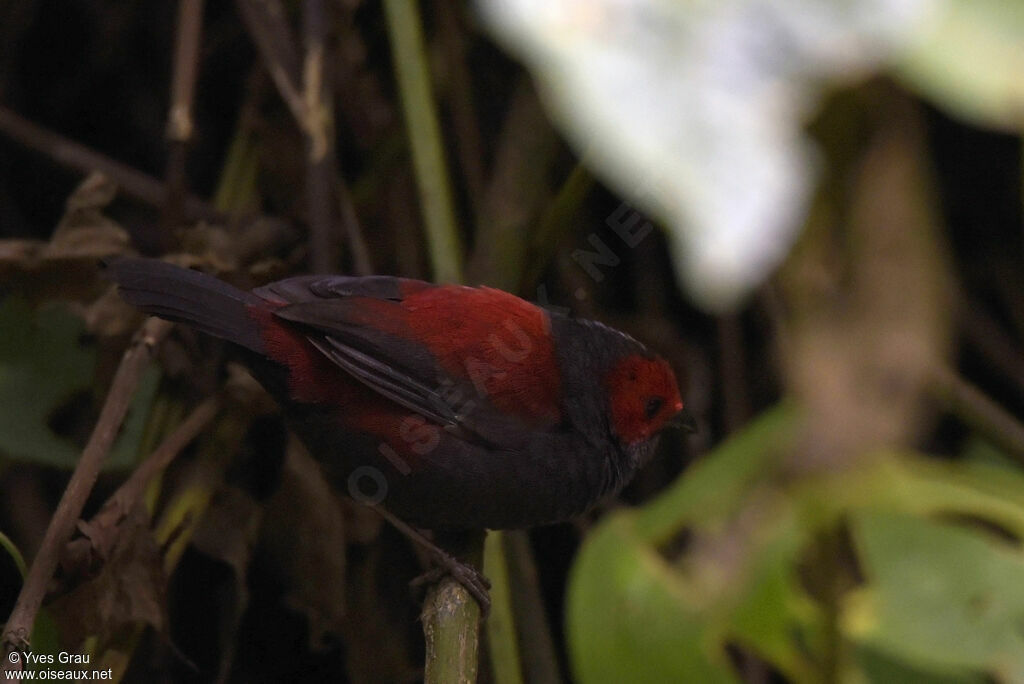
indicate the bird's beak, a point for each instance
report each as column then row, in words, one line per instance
column 684, row 420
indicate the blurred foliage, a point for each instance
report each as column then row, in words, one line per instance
column 722, row 559
column 44, row 367
column 695, row 111
column 967, row 56
column 839, row 182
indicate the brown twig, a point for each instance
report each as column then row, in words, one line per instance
column 362, row 264
column 131, row 490
column 311, row 108
column 979, row 411
column 126, row 380
column 985, row 334
column 179, row 117
column 73, row 155
column 265, row 21
column 102, row 532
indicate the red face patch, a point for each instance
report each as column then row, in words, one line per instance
column 643, row 395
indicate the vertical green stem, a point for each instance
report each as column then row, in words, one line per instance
column 501, row 626
column 424, row 131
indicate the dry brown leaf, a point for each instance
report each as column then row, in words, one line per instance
column 84, row 232
column 129, row 590
column 67, row 266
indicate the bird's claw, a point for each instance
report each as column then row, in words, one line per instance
column 469, row 577
column 465, row 574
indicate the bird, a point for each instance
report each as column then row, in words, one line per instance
column 451, row 407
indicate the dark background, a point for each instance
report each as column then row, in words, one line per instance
column 99, row 73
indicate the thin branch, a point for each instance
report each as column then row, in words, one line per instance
column 555, row 222
column 318, row 124
column 102, row 532
column 131, row 490
column 515, row 194
column 451, row 614
column 993, row 343
column 306, row 90
column 186, row 67
column 424, row 131
column 179, row 118
column 62, row 525
column 265, row 21
column 73, row 155
column 979, row 411
column 468, row 142
column 362, row 264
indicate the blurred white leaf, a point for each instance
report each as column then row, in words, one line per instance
column 694, row 110
column 969, row 58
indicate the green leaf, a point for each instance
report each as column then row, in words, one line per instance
column 715, row 486
column 125, row 452
column 634, row 614
column 631, row 618
column 773, row 615
column 42, row 366
column 979, row 451
column 7, row 545
column 45, row 634
column 878, row 667
column 940, row 596
column 660, row 592
column 926, row 488
column 44, row 637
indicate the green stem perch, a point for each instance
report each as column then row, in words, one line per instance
column 424, row 131
column 451, row 627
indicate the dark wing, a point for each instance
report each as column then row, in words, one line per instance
column 339, row 312
column 312, row 288
column 385, row 379
column 417, row 344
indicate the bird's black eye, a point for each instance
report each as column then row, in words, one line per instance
column 654, row 405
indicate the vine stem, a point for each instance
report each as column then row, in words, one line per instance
column 62, row 525
column 424, row 131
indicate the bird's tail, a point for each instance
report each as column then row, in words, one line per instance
column 183, row 295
